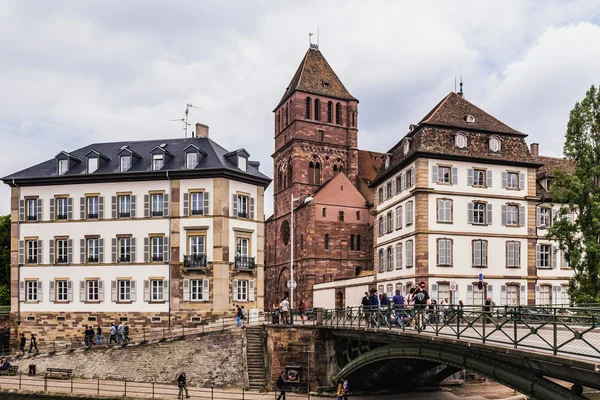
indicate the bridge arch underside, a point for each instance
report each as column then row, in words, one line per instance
column 371, row 362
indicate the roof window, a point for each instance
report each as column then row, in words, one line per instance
column 406, row 147
column 92, row 164
column 495, row 144
column 63, row 166
column 158, row 161
column 460, row 140
column 470, row 119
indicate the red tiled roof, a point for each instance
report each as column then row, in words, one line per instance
column 552, row 164
column 369, row 163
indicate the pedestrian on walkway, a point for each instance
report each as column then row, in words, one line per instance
column 33, row 344
column 120, row 332
column 113, row 334
column 239, row 315
column 398, row 302
column 281, row 386
column 126, row 333
column 345, row 388
column 285, row 310
column 99, row 335
column 182, row 384
column 22, row 343
column 302, row 310
column 340, row 390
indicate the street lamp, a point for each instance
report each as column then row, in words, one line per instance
column 307, row 199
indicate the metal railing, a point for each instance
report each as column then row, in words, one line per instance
column 244, row 262
column 194, row 261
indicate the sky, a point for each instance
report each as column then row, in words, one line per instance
column 79, row 72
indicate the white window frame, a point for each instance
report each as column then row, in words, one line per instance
column 512, row 180
column 61, row 293
column 242, row 247
column 63, row 166
column 157, row 290
column 479, row 209
column 92, row 290
column 483, row 253
column 191, row 160
column 461, row 141
column 31, row 288
column 157, row 250
column 125, row 206
column 92, row 164
column 512, row 215
column 32, row 252
column 125, row 249
column 158, row 203
column 441, row 174
column 409, row 253
column 243, row 163
column 198, row 248
column 545, row 254
column 409, row 213
column 158, row 161
column 92, row 207
column 513, row 254
column 124, row 290
column 495, row 144
column 243, row 203
column 242, row 290
column 125, row 163
column 444, row 211
column 32, row 210
column 444, row 252
column 62, row 251
column 479, row 173
column 197, row 203
column 62, row 208
column 93, row 250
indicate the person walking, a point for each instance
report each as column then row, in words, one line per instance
column 302, row 310
column 126, row 333
column 488, row 310
column 33, row 344
column 22, row 343
column 421, row 300
column 239, row 315
column 384, row 301
column 281, row 386
column 345, row 388
column 120, row 332
column 285, row 310
column 398, row 302
column 99, row 335
column 113, row 334
column 182, row 385
column 373, row 306
column 340, row 390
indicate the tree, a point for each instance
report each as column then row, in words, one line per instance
column 4, row 260
column 579, row 236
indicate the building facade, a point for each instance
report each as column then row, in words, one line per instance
column 165, row 232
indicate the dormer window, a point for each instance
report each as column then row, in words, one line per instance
column 387, row 160
column 460, row 140
column 92, row 164
column 242, row 163
column 470, row 119
column 158, row 161
column 495, row 144
column 63, row 166
column 125, row 163
column 406, row 147
column 191, row 160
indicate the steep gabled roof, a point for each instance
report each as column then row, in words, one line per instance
column 369, row 163
column 315, row 75
column 453, row 110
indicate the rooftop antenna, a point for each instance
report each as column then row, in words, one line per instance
column 461, row 94
column 454, row 83
column 185, row 124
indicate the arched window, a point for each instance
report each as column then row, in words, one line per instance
column 327, row 241
column 278, row 127
column 357, row 242
column 314, row 171
column 290, row 172
column 308, row 102
column 285, row 115
column 338, row 113
column 330, row 112
column 279, row 180
column 317, row 110
column 338, row 166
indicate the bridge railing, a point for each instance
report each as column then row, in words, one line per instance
column 558, row 329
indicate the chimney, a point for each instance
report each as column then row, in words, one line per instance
column 201, row 130
column 535, row 149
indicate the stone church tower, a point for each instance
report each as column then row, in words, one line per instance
column 316, row 138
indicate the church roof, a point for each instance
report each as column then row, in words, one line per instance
column 315, row 75
column 453, row 111
column 369, row 163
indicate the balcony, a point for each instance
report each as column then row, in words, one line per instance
column 32, row 260
column 197, row 212
column 125, row 215
column 61, row 260
column 61, row 216
column 242, row 215
column 125, row 258
column 32, row 218
column 157, row 213
column 194, row 262
column 92, row 216
column 244, row 262
column 93, row 259
column 157, row 258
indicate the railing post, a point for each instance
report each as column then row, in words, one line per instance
column 45, row 383
column 98, row 386
column 20, row 375
column 516, row 317
column 152, row 389
column 71, row 383
column 125, row 388
column 555, row 343
column 484, row 322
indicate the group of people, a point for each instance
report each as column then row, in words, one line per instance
column 119, row 333
column 283, row 310
column 32, row 343
column 4, row 365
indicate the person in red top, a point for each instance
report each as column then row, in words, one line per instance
column 302, row 310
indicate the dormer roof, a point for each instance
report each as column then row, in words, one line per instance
column 194, row 147
column 126, row 149
column 101, row 155
column 162, row 147
column 68, row 155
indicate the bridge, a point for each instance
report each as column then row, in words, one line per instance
column 545, row 353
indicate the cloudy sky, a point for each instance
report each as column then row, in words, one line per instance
column 83, row 71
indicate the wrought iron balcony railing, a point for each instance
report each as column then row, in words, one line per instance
column 157, row 213
column 157, row 258
column 242, row 214
column 92, row 216
column 61, row 260
column 32, row 260
column 198, row 212
column 244, row 262
column 125, row 259
column 93, row 259
column 32, row 217
column 61, row 216
column 125, row 214
column 194, row 261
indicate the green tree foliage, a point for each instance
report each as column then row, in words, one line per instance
column 5, row 260
column 579, row 237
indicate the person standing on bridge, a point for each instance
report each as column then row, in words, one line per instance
column 22, row 343
column 421, row 299
column 373, row 306
column 398, row 302
column 285, row 310
column 488, row 310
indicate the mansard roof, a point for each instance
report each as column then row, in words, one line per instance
column 214, row 163
column 547, row 170
column 315, row 76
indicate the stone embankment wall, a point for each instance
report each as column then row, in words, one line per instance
column 212, row 360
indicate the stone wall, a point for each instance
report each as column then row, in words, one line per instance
column 212, row 360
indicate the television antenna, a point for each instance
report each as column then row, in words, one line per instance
column 185, row 119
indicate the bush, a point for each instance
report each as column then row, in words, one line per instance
column 4, row 295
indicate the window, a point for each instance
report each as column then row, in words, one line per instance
column 480, row 213
column 308, row 103
column 565, row 261
column 410, row 177
column 92, row 207
column 512, row 215
column 93, row 290
column 381, row 262
column 32, row 210
column 242, row 290
column 477, row 295
column 543, row 298
column 317, row 110
column 158, row 161
column 495, row 144
column 399, row 217
column 125, row 250
column 196, row 290
column 352, row 242
column 191, row 160
column 32, row 252
column 157, row 248
column 242, row 206
column 338, row 113
column 92, row 164
column 399, row 256
column 92, row 250
column 470, row 119
column 330, row 112
column 62, row 208
column 479, row 253
column 406, row 147
column 157, row 205
column 323, row 212
column 409, row 213
column 409, row 253
column 358, row 215
column 242, row 247
column 389, row 289
column 357, row 242
column 479, row 177
column 390, row 221
column 444, row 175
column 390, row 258
column 444, row 251
column 513, row 254
column 544, row 217
column 444, row 210
column 125, row 206
column 124, row 288
column 197, row 203
column 327, row 241
column 380, row 195
column 460, row 141
column 243, row 163
column 197, row 245
column 443, row 292
column 543, row 253
column 32, row 290
column 389, row 189
column 314, row 172
column 381, row 226
column 158, row 290
column 512, row 295
column 340, row 216
column 125, row 163
column 62, row 290
column 63, row 166
column 511, row 180
column 62, row 251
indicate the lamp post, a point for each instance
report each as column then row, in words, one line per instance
column 307, row 199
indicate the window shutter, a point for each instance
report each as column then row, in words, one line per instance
column 504, row 179
column 40, row 252
column 146, row 290
column 503, row 214
column 510, row 253
column 503, row 295
column 393, row 187
column 21, row 210
column 441, row 252
column 21, row 291
column 40, row 290
column 538, row 216
column 133, row 245
column 554, row 210
column 100, row 207
column 391, row 221
column 538, row 259
column 470, row 294
column 384, row 266
column 82, row 208
column 385, row 224
column 252, row 208
column 69, row 208
column 113, row 202
column 113, row 291
column 470, row 177
column 434, row 173
column 233, row 290
column 523, row 298
column 113, row 250
column 52, row 209
column 470, row 210
column 186, row 205
column 146, row 249
column 251, row 290
column 51, row 292
column 133, row 291
column 488, row 178
column 449, row 251
column 101, row 251
column 554, row 257
column 522, row 218
column 521, row 181
column 166, row 249
column 434, row 291
column 490, row 291
column 391, row 260
column 484, row 254
column 21, row 252
column 537, row 295
column 101, row 291
column 455, row 176
column 40, row 210
column 477, row 253
column 412, row 176
column 82, row 291
column 234, row 205
column 133, row 205
column 166, row 204
column 82, row 251
column 186, row 290
column 69, row 291
column 376, row 262
column 205, row 290
column 517, row 254
column 377, row 196
column 402, row 182
column 146, row 205
column 488, row 207
column 385, row 193
column 51, row 249
column 377, row 227
column 70, row 251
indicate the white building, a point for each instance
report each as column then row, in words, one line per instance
column 159, row 231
